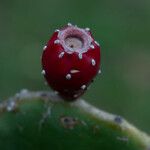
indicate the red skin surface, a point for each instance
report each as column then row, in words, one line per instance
column 57, row 68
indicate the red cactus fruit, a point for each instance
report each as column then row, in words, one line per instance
column 70, row 61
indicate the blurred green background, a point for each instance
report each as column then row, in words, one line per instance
column 121, row 27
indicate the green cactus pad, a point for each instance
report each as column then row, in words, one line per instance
column 41, row 120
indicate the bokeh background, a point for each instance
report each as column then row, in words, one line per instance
column 121, row 26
